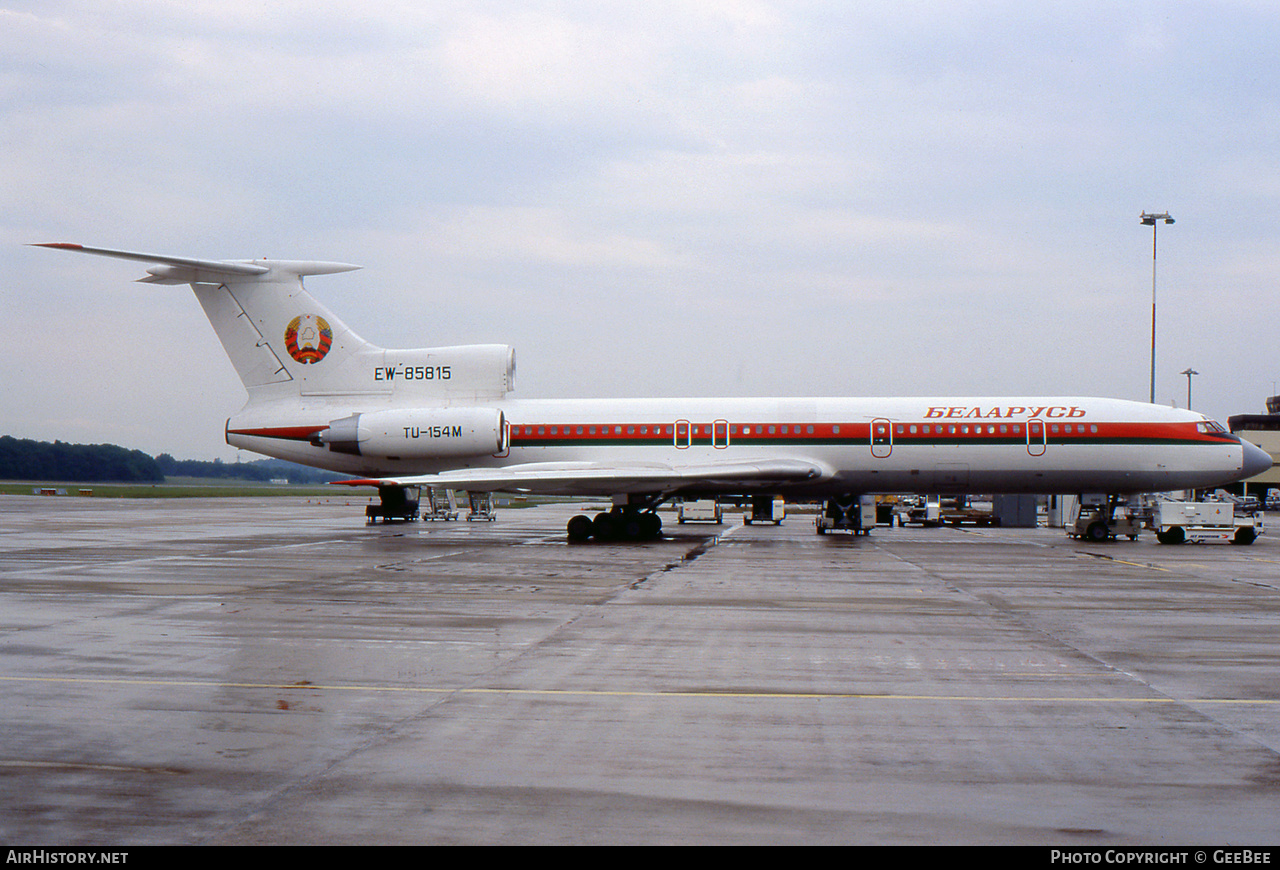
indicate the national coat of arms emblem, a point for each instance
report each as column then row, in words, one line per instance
column 308, row 338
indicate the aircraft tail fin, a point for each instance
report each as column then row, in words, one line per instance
column 275, row 333
column 286, row 345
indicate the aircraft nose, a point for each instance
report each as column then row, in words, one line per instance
column 1256, row 460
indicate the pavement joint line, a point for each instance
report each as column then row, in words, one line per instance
column 1107, row 558
column 674, row 693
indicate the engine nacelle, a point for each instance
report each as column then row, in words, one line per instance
column 419, row 433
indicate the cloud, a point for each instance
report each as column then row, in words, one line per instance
column 728, row 197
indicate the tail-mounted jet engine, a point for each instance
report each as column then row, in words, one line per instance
column 419, row 433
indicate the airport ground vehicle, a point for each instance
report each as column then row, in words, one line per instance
column 1098, row 518
column 705, row 510
column 402, row 506
column 482, row 507
column 1177, row 522
column 935, row 511
column 856, row 514
column 441, row 504
column 1244, row 504
column 923, row 509
column 766, row 509
column 965, row 509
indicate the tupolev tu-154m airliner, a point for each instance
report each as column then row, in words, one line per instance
column 443, row 417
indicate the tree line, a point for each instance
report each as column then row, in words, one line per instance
column 23, row 459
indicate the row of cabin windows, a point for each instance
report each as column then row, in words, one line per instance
column 663, row 430
column 901, row 429
column 991, row 429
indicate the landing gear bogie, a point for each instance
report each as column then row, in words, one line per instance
column 616, row 525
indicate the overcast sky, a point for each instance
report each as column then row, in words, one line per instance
column 721, row 197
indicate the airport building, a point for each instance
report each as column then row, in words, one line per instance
column 1264, row 431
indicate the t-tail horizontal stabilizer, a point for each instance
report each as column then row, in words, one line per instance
column 188, row 270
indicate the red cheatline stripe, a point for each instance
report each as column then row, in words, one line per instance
column 855, row 432
column 661, row 433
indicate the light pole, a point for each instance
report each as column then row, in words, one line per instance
column 1151, row 220
column 1189, row 373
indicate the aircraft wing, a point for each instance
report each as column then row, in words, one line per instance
column 595, row 478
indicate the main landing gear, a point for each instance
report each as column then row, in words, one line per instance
column 619, row 524
column 623, row 523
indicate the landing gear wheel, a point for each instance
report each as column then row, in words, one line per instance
column 580, row 528
column 650, row 524
column 603, row 528
column 630, row 528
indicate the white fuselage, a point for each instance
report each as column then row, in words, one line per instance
column 869, row 445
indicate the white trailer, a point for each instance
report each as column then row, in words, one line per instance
column 706, row 510
column 765, row 509
column 1178, row 521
